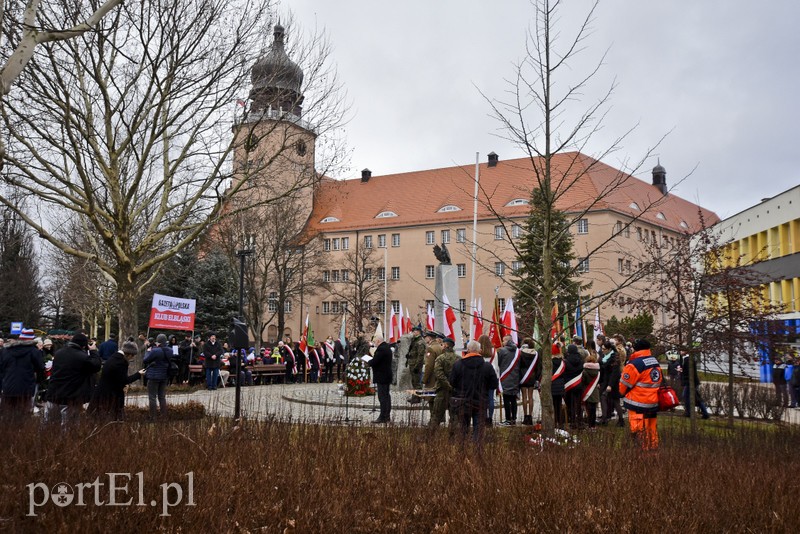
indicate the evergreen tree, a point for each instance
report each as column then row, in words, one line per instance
column 528, row 278
column 639, row 326
column 216, row 290
column 20, row 275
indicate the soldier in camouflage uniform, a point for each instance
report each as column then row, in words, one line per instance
column 416, row 357
column 441, row 371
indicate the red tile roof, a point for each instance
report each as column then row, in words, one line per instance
column 580, row 183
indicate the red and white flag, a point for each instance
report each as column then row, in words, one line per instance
column 494, row 328
column 393, row 331
column 409, row 326
column 449, row 318
column 304, row 339
column 477, row 320
column 430, row 320
column 509, row 321
column 598, row 328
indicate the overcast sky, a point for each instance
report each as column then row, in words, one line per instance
column 719, row 77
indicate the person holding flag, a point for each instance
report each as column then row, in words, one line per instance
column 508, row 360
column 531, row 372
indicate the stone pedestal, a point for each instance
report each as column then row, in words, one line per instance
column 402, row 375
column 447, row 284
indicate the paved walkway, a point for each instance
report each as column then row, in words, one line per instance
column 323, row 403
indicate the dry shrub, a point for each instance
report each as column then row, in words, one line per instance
column 271, row 476
column 750, row 401
column 175, row 412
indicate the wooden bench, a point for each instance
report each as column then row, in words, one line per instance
column 265, row 373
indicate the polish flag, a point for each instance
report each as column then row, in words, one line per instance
column 393, row 334
column 509, row 321
column 409, row 326
column 401, row 323
column 430, row 320
column 304, row 337
column 477, row 320
column 449, row 318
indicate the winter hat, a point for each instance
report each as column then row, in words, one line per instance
column 573, row 349
column 81, row 340
column 48, row 343
column 161, row 339
column 26, row 334
column 641, row 344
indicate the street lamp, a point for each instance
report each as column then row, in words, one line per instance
column 242, row 254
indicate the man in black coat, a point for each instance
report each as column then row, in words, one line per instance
column 213, row 352
column 108, row 347
column 108, row 398
column 71, row 378
column 21, row 366
column 472, row 379
column 187, row 352
column 381, row 365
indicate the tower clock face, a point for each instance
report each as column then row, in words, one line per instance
column 251, row 142
column 300, row 146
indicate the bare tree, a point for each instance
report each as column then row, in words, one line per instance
column 712, row 296
column 128, row 130
column 359, row 284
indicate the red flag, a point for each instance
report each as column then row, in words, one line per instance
column 401, row 322
column 555, row 325
column 477, row 320
column 409, row 326
column 303, row 337
column 393, row 333
column 494, row 329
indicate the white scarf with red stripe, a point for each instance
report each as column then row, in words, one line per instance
column 560, row 371
column 294, row 360
column 590, row 388
column 530, row 369
column 573, row 383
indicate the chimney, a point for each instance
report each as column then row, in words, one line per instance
column 660, row 178
column 366, row 174
column 493, row 159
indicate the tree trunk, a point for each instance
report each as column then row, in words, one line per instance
column 128, row 320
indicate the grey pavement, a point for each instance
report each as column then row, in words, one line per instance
column 324, row 403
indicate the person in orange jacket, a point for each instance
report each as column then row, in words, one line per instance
column 639, row 385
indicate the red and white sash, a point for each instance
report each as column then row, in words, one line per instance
column 529, row 372
column 590, row 388
column 560, row 371
column 511, row 366
column 294, row 360
column 329, row 349
column 573, row 383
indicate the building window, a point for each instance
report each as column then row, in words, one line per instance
column 516, row 231
column 627, row 230
column 329, row 220
column 429, row 304
column 336, row 243
column 621, row 303
column 335, row 276
column 449, row 207
column 343, row 306
column 583, row 265
column 326, row 308
column 518, row 202
column 380, row 306
column 429, row 271
column 629, row 301
column 445, row 237
column 368, row 274
column 334, row 307
column 396, row 306
column 395, row 240
column 583, row 226
column 627, row 266
column 639, row 233
column 501, row 305
column 345, row 243
column 287, row 306
column 462, row 270
column 381, row 240
column 345, row 275
column 385, row 214
column 462, row 305
column 272, row 301
column 516, row 266
column 499, row 268
column 395, row 273
column 326, row 245
column 499, row 232
column 326, row 276
column 430, row 238
column 367, row 241
column 368, row 307
column 461, row 235
column 381, row 273
column 620, row 265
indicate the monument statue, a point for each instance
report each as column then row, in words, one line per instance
column 442, row 254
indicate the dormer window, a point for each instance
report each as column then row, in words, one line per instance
column 448, row 208
column 661, row 216
column 684, row 225
column 518, row 202
column 385, row 214
column 634, row 206
column 329, row 220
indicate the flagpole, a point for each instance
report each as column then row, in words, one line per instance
column 474, row 227
column 385, row 281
